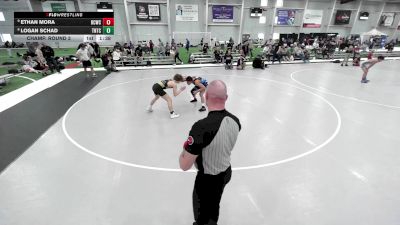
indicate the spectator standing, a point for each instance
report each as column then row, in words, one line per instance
column 212, row 43
column 97, row 51
column 131, row 45
column 209, row 146
column 175, row 50
column 84, row 57
column 187, row 45
column 167, row 49
column 161, row 48
column 205, row 48
column 139, row 54
column 250, row 46
column 173, row 43
column 151, row 46
column 348, row 53
column 231, row 42
column 91, row 49
column 245, row 48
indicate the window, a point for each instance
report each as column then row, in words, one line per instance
column 263, row 19
column 279, row 3
column 6, row 37
column 275, row 36
column 260, row 36
column 264, row 3
column 2, row 17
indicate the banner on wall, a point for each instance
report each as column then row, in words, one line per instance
column 147, row 11
column 58, row 7
column 312, row 18
column 387, row 19
column 186, row 12
column 285, row 17
column 222, row 13
column 342, row 17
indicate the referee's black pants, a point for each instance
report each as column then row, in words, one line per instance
column 207, row 195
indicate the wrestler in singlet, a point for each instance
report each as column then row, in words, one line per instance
column 159, row 91
column 200, row 85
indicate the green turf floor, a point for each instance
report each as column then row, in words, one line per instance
column 13, row 84
column 4, row 57
column 16, row 82
column 35, row 76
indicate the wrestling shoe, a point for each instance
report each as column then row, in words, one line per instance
column 149, row 109
column 174, row 115
column 364, row 81
column 202, row 109
column 194, row 100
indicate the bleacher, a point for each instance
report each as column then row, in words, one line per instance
column 200, row 58
column 341, row 55
column 155, row 60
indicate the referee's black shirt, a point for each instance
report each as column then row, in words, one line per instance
column 213, row 139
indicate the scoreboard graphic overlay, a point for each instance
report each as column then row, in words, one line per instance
column 64, row 26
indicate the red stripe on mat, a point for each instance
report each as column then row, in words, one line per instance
column 72, row 65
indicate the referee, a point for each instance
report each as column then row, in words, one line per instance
column 209, row 146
